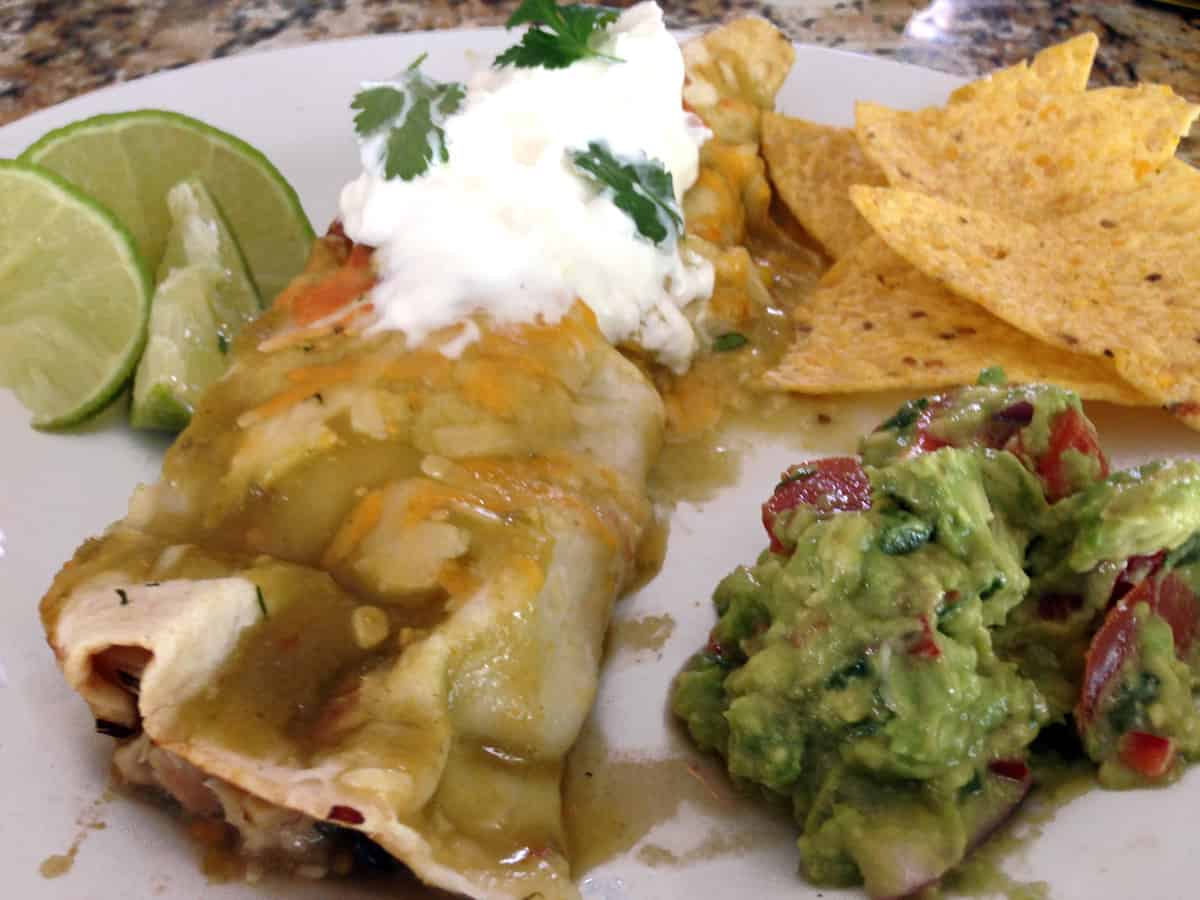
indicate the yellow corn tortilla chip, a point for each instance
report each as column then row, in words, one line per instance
column 733, row 74
column 876, row 323
column 1061, row 69
column 812, row 167
column 1029, row 157
column 1117, row 281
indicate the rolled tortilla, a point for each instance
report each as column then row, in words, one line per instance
column 371, row 589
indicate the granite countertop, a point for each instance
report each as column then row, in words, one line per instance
column 50, row 51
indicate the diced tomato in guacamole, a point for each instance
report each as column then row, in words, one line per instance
column 922, row 612
column 824, row 485
column 1042, row 425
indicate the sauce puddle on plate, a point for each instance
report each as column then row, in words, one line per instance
column 612, row 801
column 608, row 808
column 59, row 864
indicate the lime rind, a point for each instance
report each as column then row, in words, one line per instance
column 96, row 154
column 240, row 266
column 40, row 349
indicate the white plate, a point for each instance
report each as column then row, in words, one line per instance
column 55, row 490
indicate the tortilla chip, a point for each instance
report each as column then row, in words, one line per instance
column 812, row 167
column 1061, row 69
column 1116, row 281
column 1029, row 157
column 733, row 74
column 876, row 323
column 1066, row 67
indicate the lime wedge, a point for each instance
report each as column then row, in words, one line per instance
column 128, row 161
column 184, row 353
column 204, row 296
column 200, row 233
column 74, row 297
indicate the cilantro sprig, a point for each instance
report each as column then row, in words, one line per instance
column 412, row 113
column 557, row 36
column 640, row 187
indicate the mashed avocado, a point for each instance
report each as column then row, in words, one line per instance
column 926, row 609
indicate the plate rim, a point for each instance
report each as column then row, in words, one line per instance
column 131, row 444
column 255, row 56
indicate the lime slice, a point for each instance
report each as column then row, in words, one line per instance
column 74, row 297
column 204, row 297
column 128, row 161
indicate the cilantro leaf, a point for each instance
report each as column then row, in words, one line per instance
column 730, row 340
column 412, row 146
column 642, row 188
column 411, row 113
column 558, row 35
column 378, row 106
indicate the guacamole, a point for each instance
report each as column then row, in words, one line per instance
column 926, row 609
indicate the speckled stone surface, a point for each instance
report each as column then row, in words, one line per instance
column 50, row 51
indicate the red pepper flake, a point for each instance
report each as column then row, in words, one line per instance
column 346, row 814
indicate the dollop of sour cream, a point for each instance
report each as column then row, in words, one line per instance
column 508, row 228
